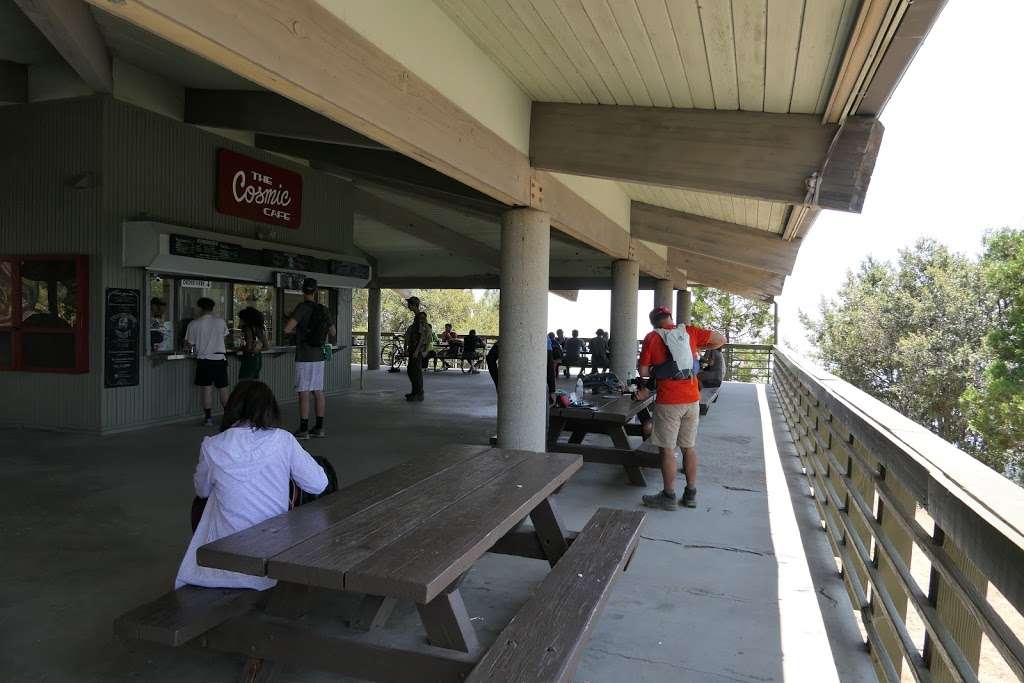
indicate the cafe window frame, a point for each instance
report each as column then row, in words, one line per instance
column 15, row 327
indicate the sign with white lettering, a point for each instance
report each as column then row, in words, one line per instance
column 258, row 191
column 197, row 284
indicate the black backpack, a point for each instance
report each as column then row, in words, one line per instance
column 317, row 326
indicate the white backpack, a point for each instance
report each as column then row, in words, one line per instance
column 681, row 362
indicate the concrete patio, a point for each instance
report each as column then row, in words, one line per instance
column 744, row 588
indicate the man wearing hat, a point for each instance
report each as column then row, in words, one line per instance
column 417, row 340
column 677, row 407
column 312, row 326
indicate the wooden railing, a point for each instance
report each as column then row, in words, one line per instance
column 892, row 496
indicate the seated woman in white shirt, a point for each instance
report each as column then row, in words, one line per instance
column 243, row 472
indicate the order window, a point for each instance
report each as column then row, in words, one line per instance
column 44, row 302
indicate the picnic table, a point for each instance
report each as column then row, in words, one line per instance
column 411, row 533
column 612, row 415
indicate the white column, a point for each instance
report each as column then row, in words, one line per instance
column 663, row 294
column 625, row 288
column 684, row 306
column 373, row 328
column 522, row 374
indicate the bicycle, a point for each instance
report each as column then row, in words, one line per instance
column 393, row 353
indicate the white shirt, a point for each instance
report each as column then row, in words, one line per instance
column 206, row 333
column 244, row 473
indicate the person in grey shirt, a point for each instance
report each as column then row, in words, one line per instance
column 310, row 319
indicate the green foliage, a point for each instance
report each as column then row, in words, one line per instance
column 912, row 334
column 996, row 407
column 456, row 306
column 741, row 320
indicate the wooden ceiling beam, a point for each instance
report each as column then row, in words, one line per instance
column 72, row 30
column 699, row 267
column 403, row 220
column 731, row 287
column 269, row 113
column 748, row 154
column 651, row 262
column 727, row 241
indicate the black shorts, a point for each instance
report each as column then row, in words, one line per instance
column 213, row 372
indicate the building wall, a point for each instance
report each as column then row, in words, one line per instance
column 151, row 167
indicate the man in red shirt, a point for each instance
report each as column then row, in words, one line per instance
column 677, row 408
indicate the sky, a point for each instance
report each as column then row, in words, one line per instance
column 949, row 167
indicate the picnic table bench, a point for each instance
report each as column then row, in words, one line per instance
column 410, row 533
column 612, row 415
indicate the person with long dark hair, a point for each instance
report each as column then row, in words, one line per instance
column 243, row 472
column 254, row 340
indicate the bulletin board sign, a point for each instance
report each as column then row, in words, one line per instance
column 122, row 316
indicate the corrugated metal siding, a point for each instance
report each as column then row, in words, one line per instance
column 42, row 147
column 159, row 169
column 146, row 166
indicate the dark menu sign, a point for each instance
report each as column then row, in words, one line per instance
column 215, row 250
column 121, row 337
column 350, row 269
column 258, row 191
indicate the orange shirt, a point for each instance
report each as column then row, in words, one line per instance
column 654, row 352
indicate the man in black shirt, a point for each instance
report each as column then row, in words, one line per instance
column 311, row 325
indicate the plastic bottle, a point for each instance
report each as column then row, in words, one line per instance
column 579, row 389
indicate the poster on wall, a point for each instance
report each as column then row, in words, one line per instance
column 122, row 319
column 258, row 191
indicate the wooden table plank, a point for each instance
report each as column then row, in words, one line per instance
column 323, row 559
column 421, row 564
column 249, row 551
column 616, row 409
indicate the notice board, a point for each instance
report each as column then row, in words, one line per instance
column 122, row 318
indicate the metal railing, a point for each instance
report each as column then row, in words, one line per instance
column 748, row 362
column 891, row 494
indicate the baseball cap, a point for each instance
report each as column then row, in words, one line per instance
column 309, row 285
column 413, row 300
column 658, row 313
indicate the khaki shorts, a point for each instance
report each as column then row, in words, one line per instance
column 675, row 424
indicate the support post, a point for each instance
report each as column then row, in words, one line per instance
column 684, row 307
column 663, row 294
column 625, row 287
column 373, row 328
column 522, row 371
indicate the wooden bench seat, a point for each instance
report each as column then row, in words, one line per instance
column 708, row 395
column 546, row 638
column 177, row 617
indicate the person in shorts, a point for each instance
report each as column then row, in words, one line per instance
column 676, row 409
column 204, row 338
column 309, row 361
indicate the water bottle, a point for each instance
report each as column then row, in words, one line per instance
column 579, row 389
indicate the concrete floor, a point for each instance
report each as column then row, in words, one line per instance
column 741, row 589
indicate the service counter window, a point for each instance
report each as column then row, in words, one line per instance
column 292, row 298
column 44, row 304
column 261, row 297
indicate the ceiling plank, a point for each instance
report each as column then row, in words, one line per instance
column 731, row 287
column 70, row 27
column 13, row 83
column 698, row 266
column 567, row 294
column 748, row 154
column 727, row 241
column 267, row 112
column 411, row 223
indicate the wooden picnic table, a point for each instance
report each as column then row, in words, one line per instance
column 410, row 533
column 612, row 415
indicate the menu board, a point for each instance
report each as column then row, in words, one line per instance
column 289, row 261
column 122, row 320
column 213, row 250
column 350, row 269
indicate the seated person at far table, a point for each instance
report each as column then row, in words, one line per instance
column 572, row 352
column 243, row 472
column 470, row 347
column 712, row 369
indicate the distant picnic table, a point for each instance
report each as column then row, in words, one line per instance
column 410, row 533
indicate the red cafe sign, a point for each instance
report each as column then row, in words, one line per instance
column 258, row 191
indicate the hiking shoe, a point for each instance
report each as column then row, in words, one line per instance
column 317, row 432
column 417, row 397
column 660, row 501
column 410, row 397
column 208, row 422
column 301, row 434
column 689, row 498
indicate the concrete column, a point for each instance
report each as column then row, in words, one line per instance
column 522, row 374
column 684, row 307
column 663, row 294
column 625, row 288
column 373, row 328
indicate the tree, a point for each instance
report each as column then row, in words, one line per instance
column 911, row 335
column 996, row 407
column 460, row 307
column 741, row 320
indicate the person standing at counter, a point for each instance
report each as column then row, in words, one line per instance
column 254, row 340
column 205, row 338
column 312, row 326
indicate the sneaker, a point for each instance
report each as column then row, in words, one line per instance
column 208, row 422
column 302, row 434
column 660, row 501
column 317, row 432
column 417, row 397
column 689, row 498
